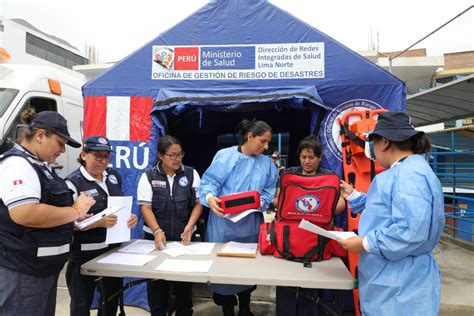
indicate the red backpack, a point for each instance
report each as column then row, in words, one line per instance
column 310, row 197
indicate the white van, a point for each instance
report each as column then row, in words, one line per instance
column 42, row 88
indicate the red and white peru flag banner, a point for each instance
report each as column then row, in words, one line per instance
column 118, row 118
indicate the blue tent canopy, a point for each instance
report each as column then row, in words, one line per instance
column 233, row 59
column 349, row 80
column 232, row 22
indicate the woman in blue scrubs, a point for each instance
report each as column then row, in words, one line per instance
column 238, row 169
column 401, row 222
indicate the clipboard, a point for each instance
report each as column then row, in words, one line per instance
column 236, row 249
column 97, row 217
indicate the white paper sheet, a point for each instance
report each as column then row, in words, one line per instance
column 120, row 231
column 304, row 224
column 239, row 248
column 176, row 248
column 139, row 246
column 235, row 217
column 343, row 235
column 200, row 248
column 177, row 265
column 97, row 217
column 127, row 259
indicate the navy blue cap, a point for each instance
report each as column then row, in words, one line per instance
column 394, row 126
column 96, row 143
column 56, row 123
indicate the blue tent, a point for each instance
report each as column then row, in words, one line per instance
column 231, row 59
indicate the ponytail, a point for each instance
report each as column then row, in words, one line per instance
column 27, row 115
column 422, row 145
column 27, row 134
column 257, row 128
column 418, row 144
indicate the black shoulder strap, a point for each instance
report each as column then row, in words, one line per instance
column 286, row 251
column 372, row 170
column 352, row 136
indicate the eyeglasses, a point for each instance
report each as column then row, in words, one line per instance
column 100, row 158
column 175, row 156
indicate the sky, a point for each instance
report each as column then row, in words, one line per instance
column 118, row 28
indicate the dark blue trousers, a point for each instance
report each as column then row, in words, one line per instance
column 81, row 290
column 292, row 301
column 27, row 295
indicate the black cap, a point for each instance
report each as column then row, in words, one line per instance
column 96, row 143
column 56, row 123
column 394, row 126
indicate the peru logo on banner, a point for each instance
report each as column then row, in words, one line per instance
column 118, row 118
column 186, row 58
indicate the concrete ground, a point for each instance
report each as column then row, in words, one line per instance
column 455, row 258
column 263, row 302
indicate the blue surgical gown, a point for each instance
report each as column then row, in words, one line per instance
column 402, row 218
column 230, row 172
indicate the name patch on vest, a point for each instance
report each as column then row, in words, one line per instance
column 91, row 193
column 113, row 179
column 48, row 174
column 183, row 181
column 158, row 184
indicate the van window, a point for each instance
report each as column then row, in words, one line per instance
column 6, row 97
column 39, row 104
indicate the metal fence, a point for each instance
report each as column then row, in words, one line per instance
column 455, row 169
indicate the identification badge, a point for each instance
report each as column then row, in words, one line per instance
column 91, row 193
column 158, row 184
column 48, row 174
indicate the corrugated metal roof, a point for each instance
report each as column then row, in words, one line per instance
column 451, row 101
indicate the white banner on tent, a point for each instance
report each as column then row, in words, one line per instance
column 238, row 62
column 118, row 112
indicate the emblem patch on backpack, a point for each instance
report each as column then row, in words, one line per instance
column 307, row 203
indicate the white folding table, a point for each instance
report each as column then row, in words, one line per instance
column 262, row 270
